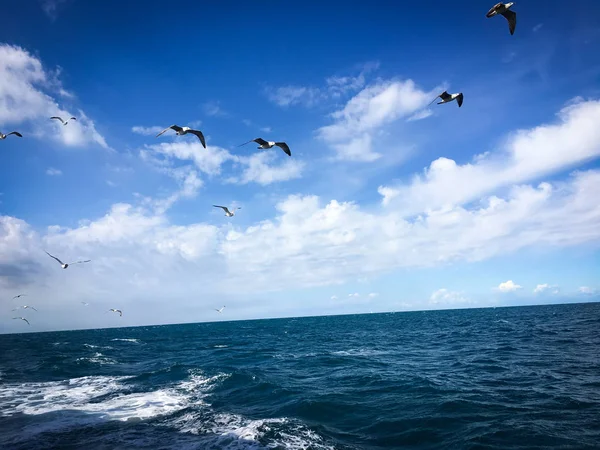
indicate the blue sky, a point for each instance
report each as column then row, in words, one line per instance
column 387, row 203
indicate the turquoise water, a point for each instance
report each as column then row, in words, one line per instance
column 505, row 378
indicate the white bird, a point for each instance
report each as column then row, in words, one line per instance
column 22, row 318
column 19, row 296
column 449, row 97
column 503, row 9
column 185, row 130
column 228, row 213
column 4, row 136
column 270, row 144
column 116, row 310
column 65, row 265
column 220, row 310
column 63, row 122
column 25, row 307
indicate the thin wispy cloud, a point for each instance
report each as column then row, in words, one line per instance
column 53, row 172
column 147, row 131
column 214, row 109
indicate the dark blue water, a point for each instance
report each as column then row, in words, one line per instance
column 506, row 378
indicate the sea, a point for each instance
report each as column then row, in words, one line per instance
column 494, row 378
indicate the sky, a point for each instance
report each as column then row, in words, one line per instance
column 388, row 202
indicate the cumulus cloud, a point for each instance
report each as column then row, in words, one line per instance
column 293, row 95
column 508, row 286
column 355, row 294
column 356, row 124
column 444, row 296
column 214, row 109
column 53, row 172
column 258, row 170
column 26, row 90
column 334, row 297
column 543, row 288
column 147, row 131
column 586, row 290
column 525, row 155
column 373, row 295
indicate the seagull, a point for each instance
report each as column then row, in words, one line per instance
column 449, row 97
column 63, row 122
column 64, row 266
column 116, row 310
column 228, row 213
column 269, row 144
column 19, row 296
column 22, row 318
column 503, row 9
column 185, row 130
column 4, row 136
column 25, row 307
column 220, row 310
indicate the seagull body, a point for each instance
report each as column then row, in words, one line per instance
column 220, row 310
column 22, row 318
column 262, row 144
column 445, row 97
column 16, row 133
column 116, row 310
column 503, row 9
column 63, row 122
column 180, row 131
column 25, row 307
column 228, row 213
column 65, row 265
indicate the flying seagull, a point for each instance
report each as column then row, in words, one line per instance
column 22, row 318
column 63, row 122
column 228, row 213
column 449, row 97
column 270, row 144
column 4, row 136
column 220, row 310
column 19, row 296
column 503, row 9
column 185, row 130
column 116, row 310
column 25, row 307
column 64, row 266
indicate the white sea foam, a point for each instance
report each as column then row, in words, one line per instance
column 137, row 341
column 98, row 358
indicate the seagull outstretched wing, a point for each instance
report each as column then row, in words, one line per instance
column 172, row 127
column 284, row 147
column 459, row 99
column 16, row 133
column 61, row 263
column 511, row 16
column 22, row 318
column 73, row 118
column 259, row 141
column 19, row 296
column 224, row 208
column 80, row 262
column 200, row 136
column 58, row 118
column 493, row 10
column 443, row 96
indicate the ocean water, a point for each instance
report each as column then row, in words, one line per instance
column 504, row 378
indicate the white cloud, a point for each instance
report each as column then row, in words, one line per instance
column 542, row 288
column 354, row 127
column 355, row 294
column 373, row 295
column 266, row 129
column 111, row 183
column 214, row 109
column 293, row 95
column 147, row 131
column 53, row 172
column 508, row 286
column 208, row 160
column 257, row 170
column 334, row 297
column 586, row 290
column 25, row 89
column 446, row 297
column 50, row 7
column 538, row 27
column 525, row 155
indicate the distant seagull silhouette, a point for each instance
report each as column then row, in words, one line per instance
column 180, row 131
column 503, row 9
column 63, row 122
column 449, row 97
column 228, row 213
column 270, row 144
column 84, row 303
column 4, row 136
column 22, row 318
column 19, row 296
column 116, row 310
column 25, row 307
column 65, row 265
column 220, row 310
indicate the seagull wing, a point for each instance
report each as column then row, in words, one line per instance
column 459, row 99
column 172, row 127
column 511, row 16
column 54, row 257
column 284, row 147
column 16, row 133
column 439, row 96
column 73, row 118
column 58, row 118
column 223, row 207
column 200, row 136
column 260, row 141
column 492, row 12
column 120, row 312
column 80, row 262
column 33, row 308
